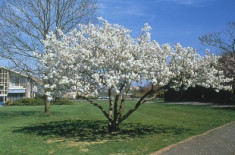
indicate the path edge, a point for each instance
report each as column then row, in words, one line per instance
column 189, row 139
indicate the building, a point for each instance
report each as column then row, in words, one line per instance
column 14, row 85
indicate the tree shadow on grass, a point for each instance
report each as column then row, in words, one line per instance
column 95, row 130
column 18, row 113
column 225, row 108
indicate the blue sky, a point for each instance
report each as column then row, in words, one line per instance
column 172, row 21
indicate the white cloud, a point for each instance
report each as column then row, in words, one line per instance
column 123, row 8
column 140, row 8
column 185, row 2
column 190, row 2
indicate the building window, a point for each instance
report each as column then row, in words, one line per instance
column 3, row 81
column 18, row 81
column 15, row 96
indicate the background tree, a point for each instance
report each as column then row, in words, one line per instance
column 24, row 24
column 227, row 64
column 97, row 57
column 224, row 41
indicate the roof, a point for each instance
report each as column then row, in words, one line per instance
column 35, row 79
column 14, row 71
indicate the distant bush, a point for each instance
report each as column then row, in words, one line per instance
column 8, row 103
column 26, row 101
column 38, row 101
column 62, row 101
column 200, row 94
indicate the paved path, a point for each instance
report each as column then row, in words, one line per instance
column 218, row 141
column 203, row 104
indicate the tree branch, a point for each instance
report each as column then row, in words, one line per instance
column 110, row 104
column 140, row 102
column 122, row 104
column 116, row 103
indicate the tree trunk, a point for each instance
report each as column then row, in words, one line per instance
column 112, row 126
column 47, row 105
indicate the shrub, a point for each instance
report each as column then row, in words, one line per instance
column 26, row 101
column 38, row 101
column 8, row 103
column 62, row 101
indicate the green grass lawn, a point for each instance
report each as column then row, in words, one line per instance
column 81, row 128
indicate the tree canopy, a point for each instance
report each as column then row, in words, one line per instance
column 105, row 56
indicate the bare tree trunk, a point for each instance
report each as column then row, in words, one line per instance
column 47, row 105
column 113, row 126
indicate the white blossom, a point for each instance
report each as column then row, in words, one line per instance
column 95, row 57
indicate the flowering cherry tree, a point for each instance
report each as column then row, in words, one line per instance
column 105, row 56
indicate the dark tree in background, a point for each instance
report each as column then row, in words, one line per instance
column 24, row 24
column 227, row 64
column 224, row 41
